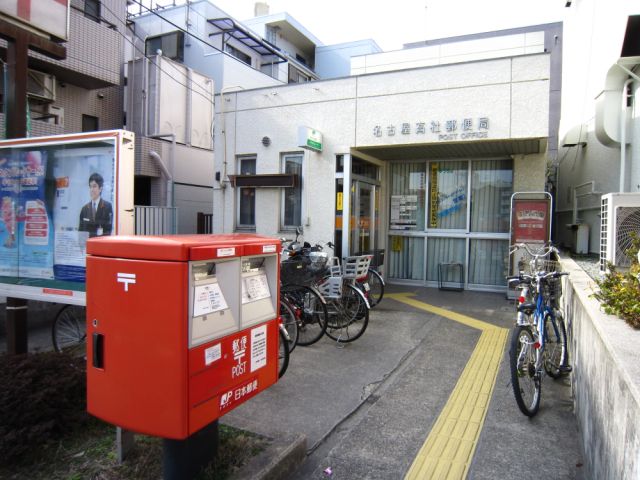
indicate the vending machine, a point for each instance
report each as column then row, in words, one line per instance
column 181, row 329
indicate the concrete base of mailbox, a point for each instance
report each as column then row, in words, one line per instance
column 185, row 459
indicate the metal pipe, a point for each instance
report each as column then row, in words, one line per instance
column 223, row 185
column 623, row 135
column 170, row 171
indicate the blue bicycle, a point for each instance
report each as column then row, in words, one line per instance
column 539, row 339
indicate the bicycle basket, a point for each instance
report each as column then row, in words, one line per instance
column 356, row 267
column 296, row 271
column 331, row 287
column 318, row 260
column 543, row 265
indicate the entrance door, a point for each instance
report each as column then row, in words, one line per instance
column 364, row 217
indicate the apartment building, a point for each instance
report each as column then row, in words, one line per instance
column 84, row 91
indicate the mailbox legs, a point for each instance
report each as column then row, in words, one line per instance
column 185, row 459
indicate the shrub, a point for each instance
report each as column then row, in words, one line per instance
column 43, row 396
column 620, row 291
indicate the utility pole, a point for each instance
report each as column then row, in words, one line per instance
column 19, row 42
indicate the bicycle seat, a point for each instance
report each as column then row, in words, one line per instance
column 527, row 308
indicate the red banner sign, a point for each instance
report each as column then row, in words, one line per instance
column 530, row 221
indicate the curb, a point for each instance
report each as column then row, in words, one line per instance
column 278, row 461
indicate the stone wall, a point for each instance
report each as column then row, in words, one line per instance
column 605, row 380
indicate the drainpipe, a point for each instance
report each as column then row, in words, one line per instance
column 623, row 126
column 623, row 135
column 223, row 185
column 167, row 172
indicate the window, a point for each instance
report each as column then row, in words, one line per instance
column 92, row 9
column 234, row 52
column 89, row 123
column 296, row 76
column 271, row 35
column 171, row 45
column 491, row 189
column 246, row 195
column 292, row 197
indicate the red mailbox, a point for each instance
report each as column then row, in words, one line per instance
column 181, row 329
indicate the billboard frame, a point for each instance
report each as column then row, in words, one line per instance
column 123, row 212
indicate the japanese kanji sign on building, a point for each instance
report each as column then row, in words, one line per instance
column 45, row 16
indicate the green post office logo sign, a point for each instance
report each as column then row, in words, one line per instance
column 310, row 139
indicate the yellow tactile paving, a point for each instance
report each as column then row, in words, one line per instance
column 448, row 450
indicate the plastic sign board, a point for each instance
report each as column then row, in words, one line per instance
column 310, row 139
column 49, row 17
column 530, row 221
column 55, row 193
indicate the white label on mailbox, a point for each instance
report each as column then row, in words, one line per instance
column 255, row 287
column 208, row 299
column 212, row 354
column 269, row 249
column 226, row 252
column 258, row 347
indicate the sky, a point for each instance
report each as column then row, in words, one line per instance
column 392, row 23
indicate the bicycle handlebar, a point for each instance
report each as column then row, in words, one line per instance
column 523, row 278
column 541, row 252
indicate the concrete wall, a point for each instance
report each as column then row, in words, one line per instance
column 605, row 381
column 334, row 61
column 447, row 53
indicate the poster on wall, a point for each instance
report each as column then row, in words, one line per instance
column 55, row 194
column 530, row 221
column 83, row 206
column 404, row 212
column 25, row 228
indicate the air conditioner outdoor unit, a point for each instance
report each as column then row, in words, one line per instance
column 41, row 86
column 620, row 219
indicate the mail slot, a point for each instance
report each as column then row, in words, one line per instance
column 181, row 328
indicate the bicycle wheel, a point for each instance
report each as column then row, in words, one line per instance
column 69, row 331
column 288, row 316
column 283, row 353
column 376, row 287
column 348, row 315
column 524, row 378
column 310, row 311
column 555, row 346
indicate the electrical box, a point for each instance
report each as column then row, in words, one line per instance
column 181, row 329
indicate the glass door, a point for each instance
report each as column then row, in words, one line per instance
column 364, row 217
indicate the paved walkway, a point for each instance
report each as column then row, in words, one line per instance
column 425, row 393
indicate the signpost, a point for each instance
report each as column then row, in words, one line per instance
column 530, row 224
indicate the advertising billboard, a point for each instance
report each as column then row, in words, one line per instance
column 55, row 194
column 45, row 16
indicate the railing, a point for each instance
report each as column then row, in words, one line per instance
column 205, row 222
column 156, row 220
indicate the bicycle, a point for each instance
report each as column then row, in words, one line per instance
column 373, row 285
column 539, row 339
column 297, row 272
column 69, row 331
column 347, row 305
column 283, row 350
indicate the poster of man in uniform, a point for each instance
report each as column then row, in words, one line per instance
column 83, row 206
